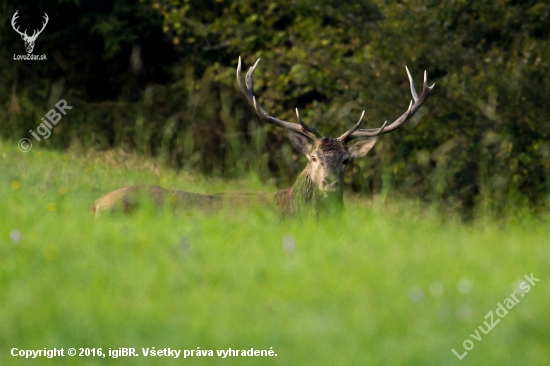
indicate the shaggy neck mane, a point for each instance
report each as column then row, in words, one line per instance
column 303, row 190
column 301, row 196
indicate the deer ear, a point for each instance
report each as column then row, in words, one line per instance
column 360, row 147
column 300, row 141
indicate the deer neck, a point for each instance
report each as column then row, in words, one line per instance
column 304, row 196
column 303, row 190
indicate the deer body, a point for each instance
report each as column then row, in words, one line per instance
column 317, row 186
column 301, row 196
column 126, row 199
column 287, row 201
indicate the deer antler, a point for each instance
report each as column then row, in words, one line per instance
column 354, row 128
column 247, row 88
column 13, row 19
column 36, row 33
column 418, row 101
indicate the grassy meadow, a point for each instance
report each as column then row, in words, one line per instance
column 387, row 283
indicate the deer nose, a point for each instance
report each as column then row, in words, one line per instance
column 329, row 184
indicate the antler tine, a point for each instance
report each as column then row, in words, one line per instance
column 413, row 88
column 418, row 101
column 352, row 130
column 248, row 77
column 247, row 87
column 373, row 132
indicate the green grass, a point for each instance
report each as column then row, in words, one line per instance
column 377, row 286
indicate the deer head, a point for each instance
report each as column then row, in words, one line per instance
column 324, row 174
column 29, row 40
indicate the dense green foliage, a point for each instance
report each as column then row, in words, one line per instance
column 382, row 285
column 158, row 76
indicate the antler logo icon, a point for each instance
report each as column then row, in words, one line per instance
column 29, row 40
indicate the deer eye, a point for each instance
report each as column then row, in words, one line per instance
column 314, row 159
column 345, row 161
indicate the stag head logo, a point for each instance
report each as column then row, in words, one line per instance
column 29, row 40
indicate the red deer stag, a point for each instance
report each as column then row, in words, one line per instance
column 319, row 183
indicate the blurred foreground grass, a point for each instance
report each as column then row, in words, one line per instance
column 385, row 284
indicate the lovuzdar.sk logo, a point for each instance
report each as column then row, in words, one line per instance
column 29, row 40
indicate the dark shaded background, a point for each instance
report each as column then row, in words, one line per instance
column 159, row 77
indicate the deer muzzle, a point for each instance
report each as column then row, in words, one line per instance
column 330, row 184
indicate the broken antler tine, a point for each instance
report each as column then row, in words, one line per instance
column 426, row 86
column 426, row 78
column 411, row 82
